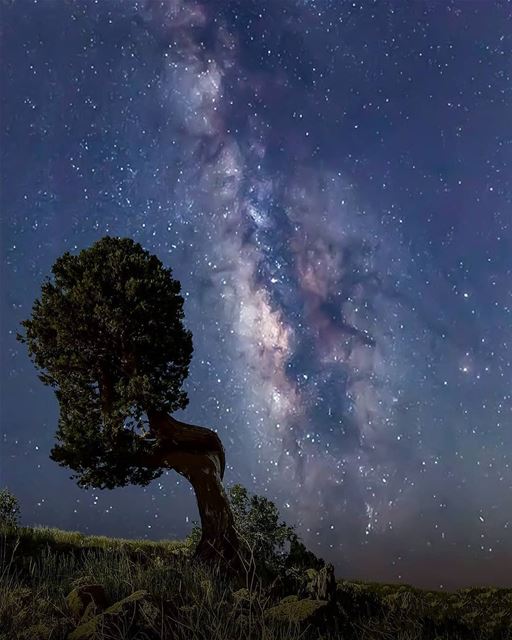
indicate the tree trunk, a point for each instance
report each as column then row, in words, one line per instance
column 197, row 454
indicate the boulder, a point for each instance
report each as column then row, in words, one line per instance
column 319, row 585
column 95, row 625
column 302, row 612
column 326, row 583
column 292, row 598
column 85, row 598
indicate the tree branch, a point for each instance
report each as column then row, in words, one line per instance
column 182, row 438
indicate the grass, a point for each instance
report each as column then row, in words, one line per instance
column 174, row 598
column 34, row 538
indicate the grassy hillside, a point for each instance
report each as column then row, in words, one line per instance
column 56, row 584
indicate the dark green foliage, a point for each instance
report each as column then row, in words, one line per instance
column 258, row 524
column 483, row 613
column 274, row 544
column 9, row 508
column 107, row 335
column 300, row 557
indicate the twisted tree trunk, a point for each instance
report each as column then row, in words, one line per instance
column 197, row 454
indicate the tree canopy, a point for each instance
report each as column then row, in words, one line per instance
column 107, row 335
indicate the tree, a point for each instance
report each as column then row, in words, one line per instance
column 107, row 335
column 275, row 545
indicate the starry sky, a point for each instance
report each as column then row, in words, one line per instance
column 330, row 182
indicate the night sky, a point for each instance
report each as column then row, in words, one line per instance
column 330, row 182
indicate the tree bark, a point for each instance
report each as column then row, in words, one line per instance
column 197, row 454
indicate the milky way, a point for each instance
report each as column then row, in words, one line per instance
column 330, row 183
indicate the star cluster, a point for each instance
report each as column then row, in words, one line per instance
column 330, row 183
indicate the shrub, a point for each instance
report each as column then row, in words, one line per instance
column 274, row 544
column 9, row 508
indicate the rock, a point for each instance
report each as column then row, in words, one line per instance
column 326, row 583
column 81, row 598
column 122, row 605
column 89, row 630
column 308, row 584
column 319, row 585
column 97, row 624
column 292, row 598
column 302, row 612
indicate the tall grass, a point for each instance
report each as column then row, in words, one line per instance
column 188, row 601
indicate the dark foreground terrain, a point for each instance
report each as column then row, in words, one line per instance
column 56, row 584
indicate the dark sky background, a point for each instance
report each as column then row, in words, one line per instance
column 330, row 182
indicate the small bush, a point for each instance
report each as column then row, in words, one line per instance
column 9, row 509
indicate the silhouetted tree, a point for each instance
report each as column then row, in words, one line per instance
column 107, row 335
